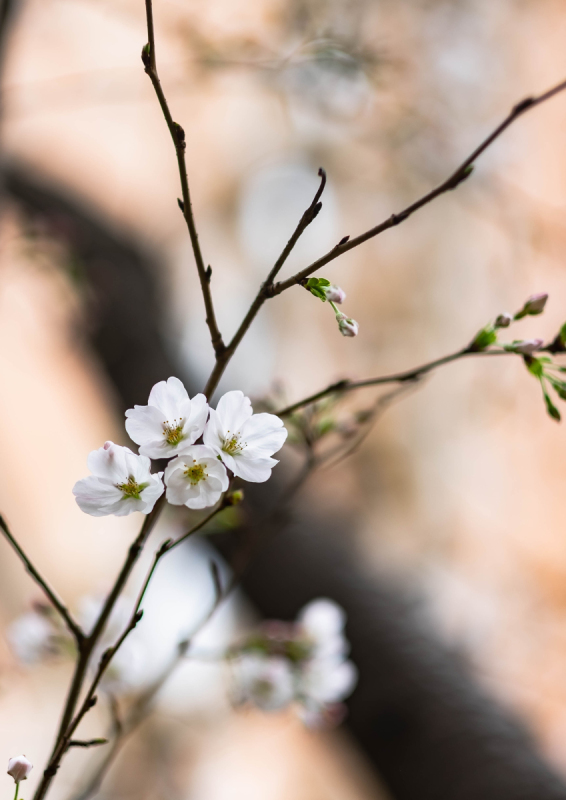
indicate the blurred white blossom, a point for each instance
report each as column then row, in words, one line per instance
column 265, row 681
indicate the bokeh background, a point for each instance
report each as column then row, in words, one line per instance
column 458, row 492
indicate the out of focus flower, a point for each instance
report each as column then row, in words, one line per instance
column 302, row 663
column 196, row 479
column 503, row 320
column 265, row 681
column 534, row 305
column 120, row 484
column 347, row 326
column 244, row 441
column 526, row 347
column 325, row 682
column 19, row 768
column 33, row 637
column 335, row 294
column 169, row 423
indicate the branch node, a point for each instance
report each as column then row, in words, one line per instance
column 208, row 274
column 519, row 108
column 181, row 204
column 146, row 56
column 342, row 241
column 179, row 136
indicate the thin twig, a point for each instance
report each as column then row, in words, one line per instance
column 456, row 178
column 58, row 604
column 87, row 742
column 178, row 136
column 343, row 386
column 223, row 359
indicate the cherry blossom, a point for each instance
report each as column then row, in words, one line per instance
column 348, row 327
column 196, row 479
column 244, row 441
column 169, row 423
column 265, row 681
column 120, row 484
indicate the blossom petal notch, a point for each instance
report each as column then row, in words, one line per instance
column 244, row 441
column 196, row 479
column 169, row 423
column 121, row 483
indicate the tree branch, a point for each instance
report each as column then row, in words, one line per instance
column 223, row 359
column 452, row 182
column 343, row 386
column 58, row 604
column 178, row 136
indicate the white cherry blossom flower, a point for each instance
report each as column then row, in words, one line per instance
column 120, row 484
column 169, row 423
column 32, row 637
column 244, row 441
column 196, row 479
column 19, row 768
column 265, row 681
column 347, row 326
column 334, row 293
column 325, row 681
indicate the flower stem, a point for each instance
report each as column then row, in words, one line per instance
column 17, row 790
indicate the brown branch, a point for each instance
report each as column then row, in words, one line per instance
column 452, row 182
column 223, row 359
column 343, row 386
column 58, row 604
column 456, row 178
column 178, row 136
column 67, row 726
column 87, row 742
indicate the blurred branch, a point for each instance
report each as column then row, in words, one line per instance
column 178, row 136
column 73, row 627
column 346, row 385
column 456, row 178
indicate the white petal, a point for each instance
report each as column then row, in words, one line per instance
column 234, row 408
column 214, row 433
column 322, row 618
column 254, row 470
column 109, row 464
column 151, row 494
column 264, row 434
column 167, row 396
column 95, row 497
column 195, row 420
column 144, row 424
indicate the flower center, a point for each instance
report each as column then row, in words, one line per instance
column 196, row 473
column 173, row 432
column 232, row 444
column 131, row 488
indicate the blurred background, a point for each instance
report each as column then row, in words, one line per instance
column 454, row 500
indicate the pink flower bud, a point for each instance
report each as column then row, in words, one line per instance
column 503, row 320
column 335, row 294
column 535, row 304
column 19, row 768
column 528, row 346
column 347, row 326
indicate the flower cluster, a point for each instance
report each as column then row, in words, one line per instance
column 205, row 445
column 329, row 292
column 302, row 663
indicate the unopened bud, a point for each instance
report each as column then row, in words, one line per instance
column 347, row 326
column 527, row 347
column 503, row 320
column 19, row 768
column 108, row 445
column 534, row 305
column 235, row 497
column 335, row 294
